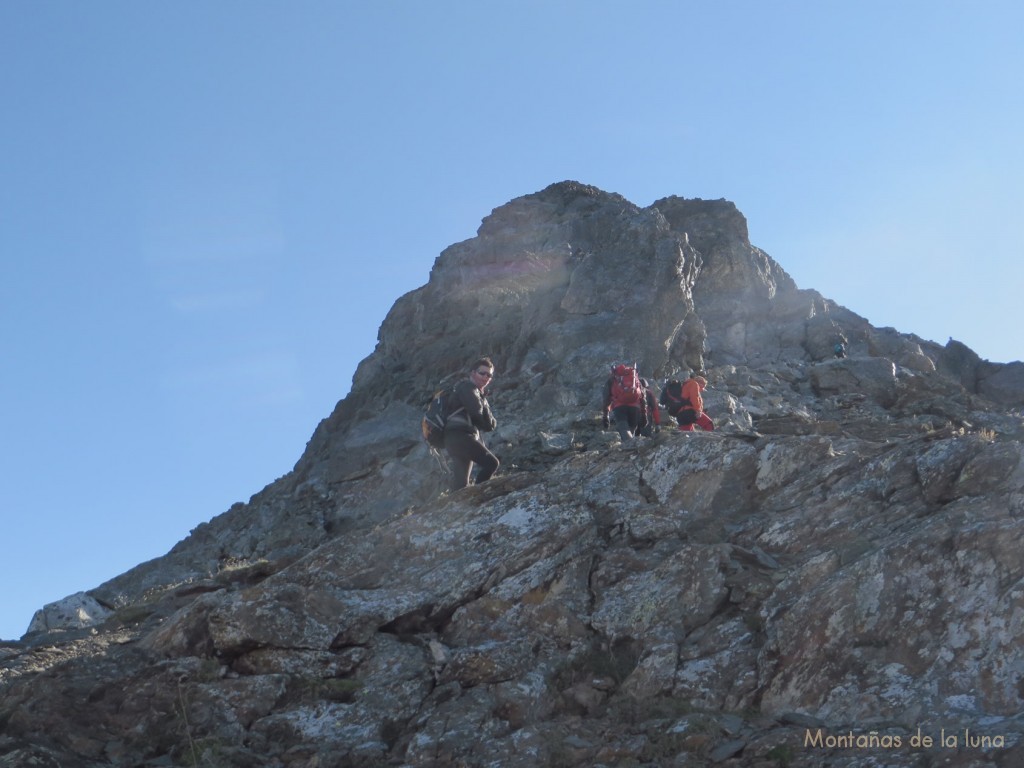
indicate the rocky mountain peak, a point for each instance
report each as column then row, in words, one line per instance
column 837, row 561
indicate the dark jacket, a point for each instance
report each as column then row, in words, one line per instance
column 469, row 410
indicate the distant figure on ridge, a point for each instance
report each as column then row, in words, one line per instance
column 840, row 350
column 469, row 414
column 685, row 403
column 625, row 401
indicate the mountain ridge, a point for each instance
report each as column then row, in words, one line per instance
column 838, row 555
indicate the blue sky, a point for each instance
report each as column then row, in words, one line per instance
column 207, row 208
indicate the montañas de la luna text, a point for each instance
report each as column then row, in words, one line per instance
column 876, row 740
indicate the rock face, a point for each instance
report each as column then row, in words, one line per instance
column 831, row 578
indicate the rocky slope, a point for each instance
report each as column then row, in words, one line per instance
column 832, row 578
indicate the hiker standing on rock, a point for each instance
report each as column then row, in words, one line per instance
column 470, row 414
column 625, row 402
column 684, row 401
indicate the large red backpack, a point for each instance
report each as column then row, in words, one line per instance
column 626, row 389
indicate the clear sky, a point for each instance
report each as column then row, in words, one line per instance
column 207, row 208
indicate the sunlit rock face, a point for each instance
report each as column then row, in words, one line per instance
column 831, row 574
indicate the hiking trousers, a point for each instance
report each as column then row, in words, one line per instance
column 465, row 451
column 627, row 420
column 703, row 421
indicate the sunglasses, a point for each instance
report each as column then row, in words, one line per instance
column 485, row 374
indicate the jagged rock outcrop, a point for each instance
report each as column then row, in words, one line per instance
column 830, row 575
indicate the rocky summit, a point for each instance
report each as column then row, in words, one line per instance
column 833, row 577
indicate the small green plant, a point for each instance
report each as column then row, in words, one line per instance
column 782, row 754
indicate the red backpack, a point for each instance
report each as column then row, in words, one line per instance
column 626, row 389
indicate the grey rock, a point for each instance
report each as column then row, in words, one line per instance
column 874, row 377
column 1003, row 383
column 842, row 552
column 726, row 749
column 73, row 612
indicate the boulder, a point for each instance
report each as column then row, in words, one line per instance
column 874, row 377
column 1002, row 383
column 73, row 612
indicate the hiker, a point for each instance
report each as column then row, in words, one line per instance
column 839, row 350
column 470, row 414
column 684, row 401
column 624, row 402
column 652, row 424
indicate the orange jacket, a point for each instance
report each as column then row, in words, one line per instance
column 691, row 391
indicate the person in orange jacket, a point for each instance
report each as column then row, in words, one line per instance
column 692, row 413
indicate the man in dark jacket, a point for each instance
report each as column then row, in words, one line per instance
column 469, row 415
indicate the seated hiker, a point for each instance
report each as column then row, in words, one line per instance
column 652, row 422
column 470, row 414
column 624, row 401
column 685, row 403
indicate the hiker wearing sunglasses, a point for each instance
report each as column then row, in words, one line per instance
column 469, row 416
